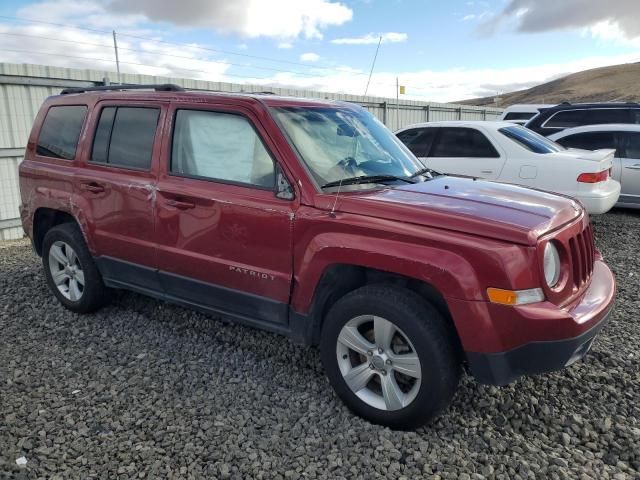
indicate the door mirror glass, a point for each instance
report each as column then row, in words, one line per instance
column 284, row 190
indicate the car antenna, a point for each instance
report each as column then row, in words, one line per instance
column 332, row 213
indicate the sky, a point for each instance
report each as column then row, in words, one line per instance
column 439, row 50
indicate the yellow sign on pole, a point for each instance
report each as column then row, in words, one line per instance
column 402, row 89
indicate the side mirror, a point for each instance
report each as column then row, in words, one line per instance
column 284, row 190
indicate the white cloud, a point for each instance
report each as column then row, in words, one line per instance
column 285, row 45
column 471, row 16
column 51, row 45
column 91, row 13
column 372, row 38
column 531, row 16
column 309, row 57
column 248, row 18
column 609, row 31
column 243, row 46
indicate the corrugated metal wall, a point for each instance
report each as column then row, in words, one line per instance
column 23, row 88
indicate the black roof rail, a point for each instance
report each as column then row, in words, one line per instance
column 164, row 87
column 266, row 92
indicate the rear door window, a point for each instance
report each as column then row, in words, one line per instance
column 125, row 136
column 462, row 142
column 60, row 131
column 589, row 140
column 418, row 140
column 599, row 116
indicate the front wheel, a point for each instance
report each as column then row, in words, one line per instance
column 390, row 356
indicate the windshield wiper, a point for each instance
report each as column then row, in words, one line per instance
column 422, row 171
column 365, row 179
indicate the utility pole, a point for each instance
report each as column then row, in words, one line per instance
column 115, row 47
column 397, row 104
column 373, row 65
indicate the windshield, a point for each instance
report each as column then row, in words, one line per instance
column 531, row 140
column 338, row 143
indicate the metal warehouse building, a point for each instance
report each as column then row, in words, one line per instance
column 24, row 87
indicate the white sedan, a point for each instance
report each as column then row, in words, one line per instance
column 625, row 138
column 509, row 153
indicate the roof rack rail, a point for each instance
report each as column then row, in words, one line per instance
column 265, row 92
column 164, row 87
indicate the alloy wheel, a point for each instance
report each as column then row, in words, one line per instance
column 66, row 271
column 378, row 362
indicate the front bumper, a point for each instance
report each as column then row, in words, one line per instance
column 532, row 358
column 542, row 337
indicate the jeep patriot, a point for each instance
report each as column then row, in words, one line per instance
column 310, row 219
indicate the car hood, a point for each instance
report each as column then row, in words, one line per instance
column 489, row 209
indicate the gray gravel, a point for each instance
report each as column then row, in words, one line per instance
column 148, row 390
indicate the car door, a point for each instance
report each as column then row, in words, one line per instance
column 225, row 238
column 464, row 151
column 630, row 167
column 117, row 184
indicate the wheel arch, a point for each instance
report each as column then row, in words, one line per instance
column 339, row 279
column 44, row 219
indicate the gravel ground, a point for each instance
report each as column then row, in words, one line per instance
column 147, row 390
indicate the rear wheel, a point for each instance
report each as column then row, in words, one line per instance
column 70, row 270
column 389, row 356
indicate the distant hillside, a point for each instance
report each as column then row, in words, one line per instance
column 617, row 82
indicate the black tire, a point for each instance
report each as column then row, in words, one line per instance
column 432, row 341
column 94, row 294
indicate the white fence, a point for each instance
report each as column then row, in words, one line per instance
column 23, row 88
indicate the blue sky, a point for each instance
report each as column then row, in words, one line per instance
column 441, row 50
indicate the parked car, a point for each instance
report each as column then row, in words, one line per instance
column 567, row 115
column 310, row 219
column 510, row 153
column 625, row 139
column 522, row 113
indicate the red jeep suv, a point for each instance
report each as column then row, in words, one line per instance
column 310, row 219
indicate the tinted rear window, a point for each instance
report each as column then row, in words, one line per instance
column 462, row 142
column 530, row 140
column 60, row 131
column 125, row 136
column 592, row 116
column 519, row 115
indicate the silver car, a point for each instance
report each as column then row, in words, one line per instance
column 625, row 138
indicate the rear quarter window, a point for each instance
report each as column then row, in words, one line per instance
column 519, row 115
column 60, row 131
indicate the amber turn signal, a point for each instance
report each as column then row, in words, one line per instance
column 515, row 297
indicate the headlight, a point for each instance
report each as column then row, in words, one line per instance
column 551, row 263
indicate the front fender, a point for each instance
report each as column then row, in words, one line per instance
column 448, row 272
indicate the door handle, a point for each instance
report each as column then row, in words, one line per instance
column 634, row 167
column 180, row 205
column 92, row 187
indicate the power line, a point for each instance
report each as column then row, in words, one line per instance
column 147, row 52
column 126, row 63
column 179, row 44
column 257, row 67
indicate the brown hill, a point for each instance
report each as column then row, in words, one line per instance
column 617, row 82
